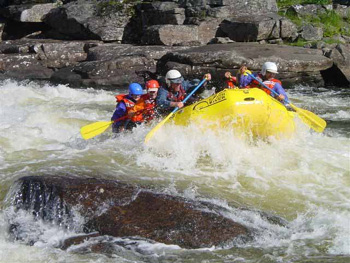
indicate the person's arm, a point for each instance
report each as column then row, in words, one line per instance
column 120, row 111
column 244, row 78
column 282, row 95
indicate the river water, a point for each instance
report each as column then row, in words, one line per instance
column 304, row 179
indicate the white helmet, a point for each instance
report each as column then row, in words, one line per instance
column 173, row 76
column 270, row 67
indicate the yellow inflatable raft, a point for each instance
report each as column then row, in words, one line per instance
column 248, row 111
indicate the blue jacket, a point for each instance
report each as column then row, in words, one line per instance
column 162, row 101
column 120, row 111
column 245, row 80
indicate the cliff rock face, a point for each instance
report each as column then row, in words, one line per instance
column 120, row 210
column 110, row 21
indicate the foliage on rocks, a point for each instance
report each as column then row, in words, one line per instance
column 108, row 7
column 330, row 21
column 287, row 3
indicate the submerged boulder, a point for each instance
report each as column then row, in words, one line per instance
column 121, row 210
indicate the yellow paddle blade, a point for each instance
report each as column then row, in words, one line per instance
column 153, row 131
column 91, row 130
column 311, row 119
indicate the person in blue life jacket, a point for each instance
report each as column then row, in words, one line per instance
column 175, row 90
column 124, row 116
column 267, row 76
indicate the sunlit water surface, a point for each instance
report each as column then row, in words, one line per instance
column 304, row 179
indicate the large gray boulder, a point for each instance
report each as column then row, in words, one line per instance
column 82, row 20
column 259, row 27
column 311, row 33
column 341, row 58
column 23, row 66
column 117, row 209
column 251, row 29
column 33, row 14
column 161, row 13
column 58, row 55
column 170, row 35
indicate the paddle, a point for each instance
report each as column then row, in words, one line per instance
column 91, row 130
column 151, row 133
column 309, row 118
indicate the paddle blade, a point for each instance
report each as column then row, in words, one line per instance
column 155, row 129
column 311, row 119
column 94, row 129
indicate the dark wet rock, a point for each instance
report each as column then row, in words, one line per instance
column 114, row 51
column 110, row 65
column 69, row 20
column 122, row 210
column 23, row 66
column 87, row 19
column 341, row 57
column 75, row 240
column 58, row 55
column 113, row 65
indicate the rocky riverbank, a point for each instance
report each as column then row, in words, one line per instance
column 108, row 44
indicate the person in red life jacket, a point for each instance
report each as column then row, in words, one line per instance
column 124, row 114
column 146, row 105
column 267, row 76
column 231, row 81
column 174, row 92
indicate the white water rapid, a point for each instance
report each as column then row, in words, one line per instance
column 304, row 179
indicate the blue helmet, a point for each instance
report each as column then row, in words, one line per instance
column 135, row 89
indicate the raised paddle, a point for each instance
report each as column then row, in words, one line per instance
column 309, row 118
column 152, row 132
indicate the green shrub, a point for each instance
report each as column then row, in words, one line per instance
column 330, row 21
column 107, row 7
column 287, row 3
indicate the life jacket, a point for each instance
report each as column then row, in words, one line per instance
column 130, row 107
column 230, row 83
column 255, row 83
column 177, row 98
column 269, row 83
column 145, row 106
